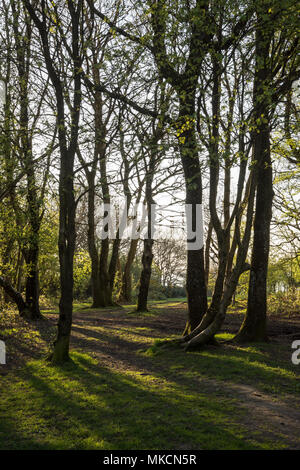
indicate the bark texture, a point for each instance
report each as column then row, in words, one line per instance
column 254, row 325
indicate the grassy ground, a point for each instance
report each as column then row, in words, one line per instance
column 122, row 392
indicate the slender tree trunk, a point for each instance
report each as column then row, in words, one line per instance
column 19, row 272
column 68, row 146
column 207, row 250
column 32, row 288
column 113, row 266
column 126, row 289
column 6, row 259
column 195, row 279
column 66, row 245
column 148, row 242
column 91, row 234
column 31, row 245
column 31, row 249
column 102, row 296
column 145, row 275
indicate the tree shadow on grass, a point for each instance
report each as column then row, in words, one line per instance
column 137, row 401
column 84, row 406
column 253, row 365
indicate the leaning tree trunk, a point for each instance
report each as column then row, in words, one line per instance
column 207, row 253
column 223, row 235
column 205, row 331
column 214, row 316
column 14, row 295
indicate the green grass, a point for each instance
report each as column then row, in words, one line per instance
column 169, row 300
column 77, row 307
column 155, row 306
column 176, row 400
column 131, row 308
column 83, row 406
column 264, row 366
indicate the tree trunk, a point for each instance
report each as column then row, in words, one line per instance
column 113, row 266
column 126, row 289
column 19, row 271
column 254, row 325
column 31, row 245
column 66, row 245
column 6, row 259
column 207, row 250
column 195, row 279
column 68, row 146
column 14, row 295
column 205, row 332
column 148, row 244
column 102, row 296
column 32, row 289
column 91, row 233
column 103, row 292
column 145, row 276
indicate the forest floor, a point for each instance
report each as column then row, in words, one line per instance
column 121, row 391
